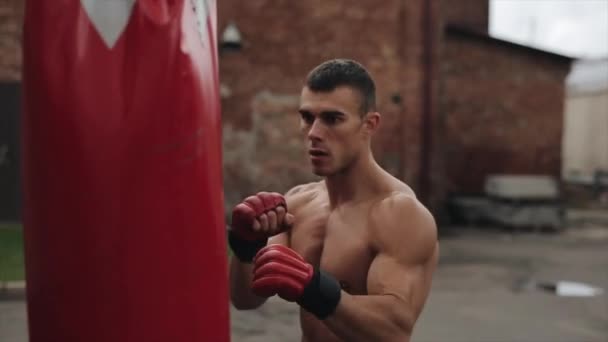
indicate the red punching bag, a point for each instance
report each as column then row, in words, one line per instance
column 123, row 204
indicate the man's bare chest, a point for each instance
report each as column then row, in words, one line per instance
column 338, row 243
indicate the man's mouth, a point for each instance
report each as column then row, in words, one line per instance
column 317, row 153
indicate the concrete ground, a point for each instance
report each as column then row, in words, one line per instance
column 478, row 293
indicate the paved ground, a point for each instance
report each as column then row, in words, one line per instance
column 476, row 295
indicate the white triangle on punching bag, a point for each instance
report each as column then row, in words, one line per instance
column 109, row 17
column 201, row 11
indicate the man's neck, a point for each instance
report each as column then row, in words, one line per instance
column 355, row 183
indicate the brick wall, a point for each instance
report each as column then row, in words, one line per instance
column 282, row 41
column 502, row 110
column 473, row 14
column 11, row 17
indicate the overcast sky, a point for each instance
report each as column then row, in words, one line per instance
column 577, row 28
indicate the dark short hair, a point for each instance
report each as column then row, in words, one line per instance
column 344, row 72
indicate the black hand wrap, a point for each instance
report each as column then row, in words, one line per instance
column 321, row 296
column 243, row 249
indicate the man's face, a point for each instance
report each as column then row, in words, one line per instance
column 333, row 127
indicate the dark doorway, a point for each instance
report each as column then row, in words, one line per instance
column 10, row 197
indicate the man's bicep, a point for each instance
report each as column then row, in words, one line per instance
column 406, row 254
column 407, row 285
column 389, row 276
column 404, row 271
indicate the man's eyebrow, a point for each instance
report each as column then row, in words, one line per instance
column 332, row 113
column 304, row 111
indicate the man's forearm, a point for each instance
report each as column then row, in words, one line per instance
column 241, row 275
column 370, row 318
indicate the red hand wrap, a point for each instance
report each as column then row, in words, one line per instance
column 281, row 271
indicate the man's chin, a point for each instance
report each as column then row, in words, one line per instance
column 321, row 172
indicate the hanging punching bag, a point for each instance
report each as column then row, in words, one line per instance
column 123, row 212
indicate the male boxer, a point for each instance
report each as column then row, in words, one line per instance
column 356, row 251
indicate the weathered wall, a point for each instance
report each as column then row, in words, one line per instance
column 502, row 108
column 585, row 140
column 282, row 41
column 11, row 18
column 474, row 14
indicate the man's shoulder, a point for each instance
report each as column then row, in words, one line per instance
column 303, row 189
column 397, row 205
column 400, row 219
column 302, row 193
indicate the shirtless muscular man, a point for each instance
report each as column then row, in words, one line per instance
column 356, row 251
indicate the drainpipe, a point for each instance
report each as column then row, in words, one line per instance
column 428, row 33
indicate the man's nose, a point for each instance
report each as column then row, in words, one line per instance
column 315, row 133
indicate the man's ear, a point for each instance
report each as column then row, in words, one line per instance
column 371, row 122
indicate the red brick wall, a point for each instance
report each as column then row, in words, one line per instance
column 11, row 16
column 282, row 41
column 473, row 14
column 502, row 110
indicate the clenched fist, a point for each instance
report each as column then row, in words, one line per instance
column 256, row 219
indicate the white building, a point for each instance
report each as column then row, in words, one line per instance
column 585, row 141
